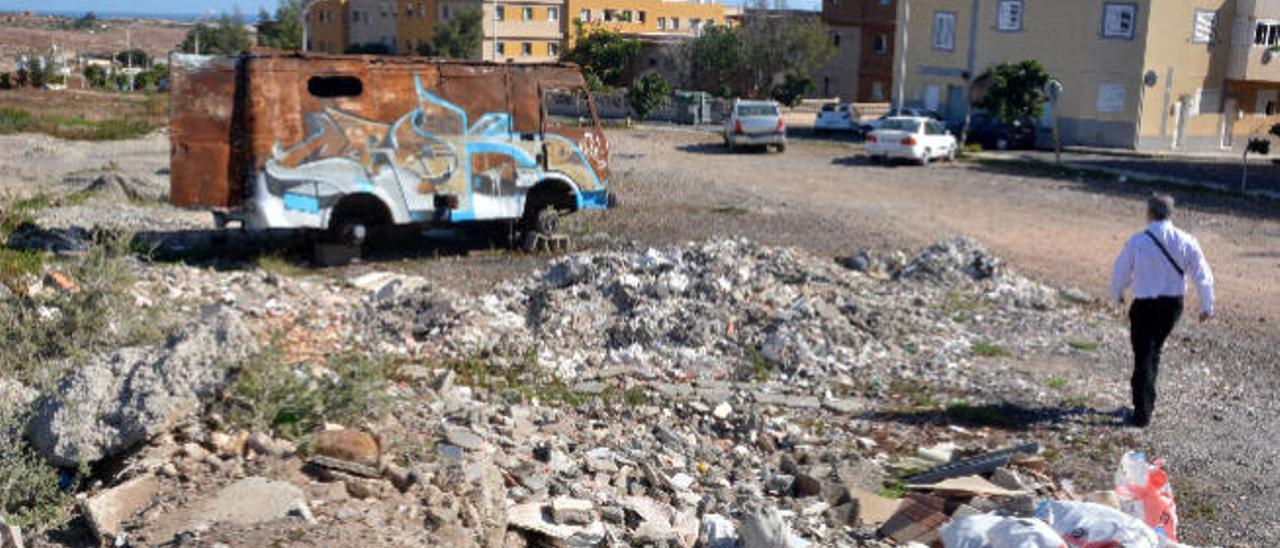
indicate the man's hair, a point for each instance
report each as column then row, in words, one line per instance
column 1160, row 206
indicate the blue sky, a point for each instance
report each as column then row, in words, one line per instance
column 202, row 6
column 138, row 6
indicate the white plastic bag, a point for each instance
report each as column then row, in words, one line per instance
column 1089, row 525
column 992, row 531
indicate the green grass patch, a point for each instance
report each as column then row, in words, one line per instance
column 1076, row 401
column 29, row 494
column 16, row 265
column 894, row 489
column 1056, row 383
column 14, row 120
column 731, row 210
column 916, row 394
column 1086, row 346
column 984, row 349
column 961, row 307
column 281, row 266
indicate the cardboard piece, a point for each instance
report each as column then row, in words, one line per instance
column 917, row 520
column 874, row 509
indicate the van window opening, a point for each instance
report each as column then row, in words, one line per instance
column 326, row 87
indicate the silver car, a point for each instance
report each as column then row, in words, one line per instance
column 755, row 123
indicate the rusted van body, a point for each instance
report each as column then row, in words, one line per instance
column 318, row 141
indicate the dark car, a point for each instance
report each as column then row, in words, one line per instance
column 993, row 134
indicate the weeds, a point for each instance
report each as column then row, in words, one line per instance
column 1083, row 345
column 1056, row 383
column 29, row 493
column 917, row 394
column 761, row 368
column 731, row 210
column 984, row 349
column 269, row 394
column 73, row 127
column 280, row 266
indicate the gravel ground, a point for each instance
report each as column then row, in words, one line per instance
column 1217, row 418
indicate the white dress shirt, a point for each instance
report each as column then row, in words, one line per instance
column 1144, row 267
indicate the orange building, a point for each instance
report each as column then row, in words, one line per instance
column 644, row 16
column 328, row 26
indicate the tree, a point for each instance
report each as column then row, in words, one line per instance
column 715, row 58
column 604, row 54
column 774, row 45
column 1013, row 92
column 133, row 58
column 96, row 76
column 85, row 22
column 793, row 88
column 1256, row 145
column 373, row 48
column 647, row 93
column 458, row 37
column 284, row 30
column 225, row 37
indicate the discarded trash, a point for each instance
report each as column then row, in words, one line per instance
column 917, row 520
column 979, row 465
column 1144, row 492
column 969, row 485
column 986, row 530
column 1089, row 524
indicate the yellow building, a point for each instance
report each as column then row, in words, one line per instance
column 643, row 16
column 517, row 31
column 1147, row 74
column 328, row 26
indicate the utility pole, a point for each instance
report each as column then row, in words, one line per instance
column 905, row 25
column 306, row 24
column 495, row 31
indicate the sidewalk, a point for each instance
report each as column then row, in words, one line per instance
column 1218, row 173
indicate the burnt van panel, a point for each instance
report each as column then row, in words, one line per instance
column 202, row 99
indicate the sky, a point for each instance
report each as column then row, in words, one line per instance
column 176, row 7
column 196, row 7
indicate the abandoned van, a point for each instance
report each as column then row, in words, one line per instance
column 346, row 143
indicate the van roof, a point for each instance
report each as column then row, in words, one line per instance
column 264, row 53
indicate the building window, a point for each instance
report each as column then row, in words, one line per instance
column 1267, row 33
column 1118, row 20
column 444, row 12
column 1009, row 16
column 1205, row 29
column 675, row 23
column 553, row 49
column 584, row 16
column 553, row 14
column 526, row 49
column 881, row 44
column 502, row 48
column 527, row 14
column 662, row 23
column 835, row 39
column 1111, row 98
column 408, row 11
column 944, row 30
column 641, row 17
column 501, row 13
column 608, row 15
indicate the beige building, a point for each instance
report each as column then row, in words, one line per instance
column 373, row 22
column 518, row 31
column 1148, row 74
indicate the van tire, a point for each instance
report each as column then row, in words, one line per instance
column 781, row 148
column 545, row 223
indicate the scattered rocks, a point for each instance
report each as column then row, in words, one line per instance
column 347, row 448
column 570, row 511
column 10, row 535
column 116, row 401
column 250, row 501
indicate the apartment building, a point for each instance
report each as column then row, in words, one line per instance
column 641, row 17
column 327, row 26
column 862, row 32
column 517, row 31
column 1144, row 74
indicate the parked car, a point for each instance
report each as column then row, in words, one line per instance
column 867, row 127
column 993, row 134
column 836, row 117
column 915, row 138
column 755, row 123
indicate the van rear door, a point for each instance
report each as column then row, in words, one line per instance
column 203, row 170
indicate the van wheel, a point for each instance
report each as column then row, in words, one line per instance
column 781, row 148
column 924, row 160
column 544, row 224
column 951, row 154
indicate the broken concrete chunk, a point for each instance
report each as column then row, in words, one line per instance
column 765, row 528
column 250, row 501
column 571, row 511
column 108, row 510
column 10, row 535
column 349, row 445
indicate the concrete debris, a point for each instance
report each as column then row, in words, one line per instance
column 10, row 535
column 116, row 401
column 765, row 528
column 570, row 511
column 350, row 446
column 250, row 501
column 108, row 510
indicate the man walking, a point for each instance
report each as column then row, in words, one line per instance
column 1156, row 263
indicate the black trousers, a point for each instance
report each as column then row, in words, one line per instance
column 1150, row 322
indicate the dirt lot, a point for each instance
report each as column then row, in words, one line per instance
column 1217, row 418
column 155, row 38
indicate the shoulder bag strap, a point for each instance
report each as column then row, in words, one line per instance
column 1160, row 245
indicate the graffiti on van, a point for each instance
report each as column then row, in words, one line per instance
column 483, row 167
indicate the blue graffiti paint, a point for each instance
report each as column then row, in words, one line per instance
column 581, row 157
column 299, row 202
column 593, row 200
column 521, row 156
